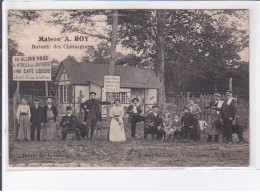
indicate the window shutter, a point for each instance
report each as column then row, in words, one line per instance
column 70, row 93
column 61, row 94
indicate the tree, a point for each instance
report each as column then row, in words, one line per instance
column 17, row 17
column 160, row 52
column 12, row 51
column 200, row 46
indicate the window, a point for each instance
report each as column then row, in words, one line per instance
column 122, row 96
column 65, row 94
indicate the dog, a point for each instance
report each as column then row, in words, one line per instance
column 238, row 129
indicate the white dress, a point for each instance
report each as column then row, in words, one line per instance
column 117, row 131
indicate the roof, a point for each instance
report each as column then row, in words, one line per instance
column 81, row 73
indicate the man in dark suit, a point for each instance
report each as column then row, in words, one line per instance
column 92, row 113
column 36, row 119
column 228, row 113
column 153, row 124
column 134, row 111
column 70, row 124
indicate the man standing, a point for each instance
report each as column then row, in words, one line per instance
column 194, row 108
column 134, row 112
column 36, row 119
column 153, row 124
column 214, row 118
column 228, row 113
column 92, row 113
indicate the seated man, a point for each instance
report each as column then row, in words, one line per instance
column 70, row 124
column 134, row 111
column 153, row 124
column 190, row 125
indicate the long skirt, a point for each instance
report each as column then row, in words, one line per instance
column 24, row 128
column 117, row 131
column 51, row 130
column 214, row 124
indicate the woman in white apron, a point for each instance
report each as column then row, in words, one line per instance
column 117, row 131
column 23, row 116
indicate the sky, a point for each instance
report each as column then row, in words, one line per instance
column 27, row 35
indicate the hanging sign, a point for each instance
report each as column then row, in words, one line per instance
column 31, row 68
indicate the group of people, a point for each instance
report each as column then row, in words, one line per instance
column 31, row 119
column 181, row 127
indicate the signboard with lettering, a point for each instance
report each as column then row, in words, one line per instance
column 111, row 83
column 31, row 68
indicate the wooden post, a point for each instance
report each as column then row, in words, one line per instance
column 112, row 62
column 16, row 99
column 188, row 95
column 80, row 101
column 46, row 88
column 230, row 84
column 113, row 43
column 160, row 54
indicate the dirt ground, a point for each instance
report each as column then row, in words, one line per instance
column 132, row 153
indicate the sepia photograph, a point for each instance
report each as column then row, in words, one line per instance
column 128, row 88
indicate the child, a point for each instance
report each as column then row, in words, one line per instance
column 190, row 125
column 176, row 125
column 167, row 126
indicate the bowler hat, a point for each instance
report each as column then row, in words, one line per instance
column 93, row 93
column 116, row 100
column 36, row 100
column 68, row 108
column 229, row 91
column 217, row 94
column 186, row 108
column 135, row 99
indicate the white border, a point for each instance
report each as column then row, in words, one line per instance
column 162, row 178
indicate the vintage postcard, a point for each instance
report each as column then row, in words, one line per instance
column 128, row 88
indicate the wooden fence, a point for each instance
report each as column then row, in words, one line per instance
column 177, row 102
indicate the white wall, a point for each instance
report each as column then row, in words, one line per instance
column 84, row 91
column 127, row 90
column 151, row 96
column 95, row 88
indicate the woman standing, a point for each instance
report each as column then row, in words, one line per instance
column 23, row 116
column 49, row 118
column 117, row 132
column 214, row 128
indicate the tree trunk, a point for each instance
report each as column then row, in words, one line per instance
column 160, row 52
column 109, row 95
column 113, row 43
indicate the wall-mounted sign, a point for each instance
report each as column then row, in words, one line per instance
column 31, row 68
column 111, row 83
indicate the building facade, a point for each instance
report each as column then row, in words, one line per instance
column 76, row 80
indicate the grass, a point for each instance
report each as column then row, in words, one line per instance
column 132, row 153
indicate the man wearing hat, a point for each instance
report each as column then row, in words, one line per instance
column 70, row 124
column 134, row 111
column 214, row 118
column 92, row 112
column 36, row 119
column 228, row 113
column 153, row 123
